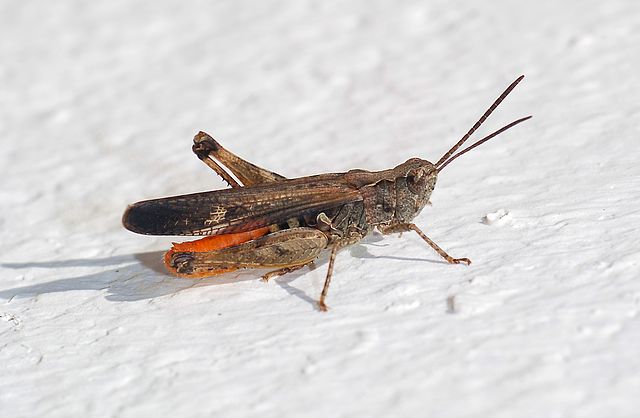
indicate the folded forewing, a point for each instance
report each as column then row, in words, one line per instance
column 239, row 209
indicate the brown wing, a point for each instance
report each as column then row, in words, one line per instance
column 239, row 209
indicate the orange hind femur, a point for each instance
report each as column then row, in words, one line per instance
column 210, row 243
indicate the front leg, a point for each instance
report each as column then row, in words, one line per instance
column 395, row 228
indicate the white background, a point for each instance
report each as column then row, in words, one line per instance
column 99, row 102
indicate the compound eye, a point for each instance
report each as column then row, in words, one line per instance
column 416, row 179
column 415, row 176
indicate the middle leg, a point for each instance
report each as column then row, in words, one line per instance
column 325, row 289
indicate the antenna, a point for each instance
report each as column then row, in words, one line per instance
column 480, row 121
column 482, row 141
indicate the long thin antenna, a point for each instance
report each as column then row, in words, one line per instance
column 484, row 117
column 482, row 141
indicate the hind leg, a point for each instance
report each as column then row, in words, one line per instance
column 286, row 249
column 280, row 272
column 228, row 165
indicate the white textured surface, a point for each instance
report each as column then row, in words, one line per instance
column 98, row 105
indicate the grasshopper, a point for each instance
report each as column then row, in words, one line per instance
column 266, row 220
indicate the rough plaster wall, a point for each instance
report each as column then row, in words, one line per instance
column 98, row 105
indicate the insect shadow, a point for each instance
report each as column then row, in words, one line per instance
column 130, row 278
column 135, row 277
column 142, row 276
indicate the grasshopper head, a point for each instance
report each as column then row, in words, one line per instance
column 416, row 180
column 420, row 175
